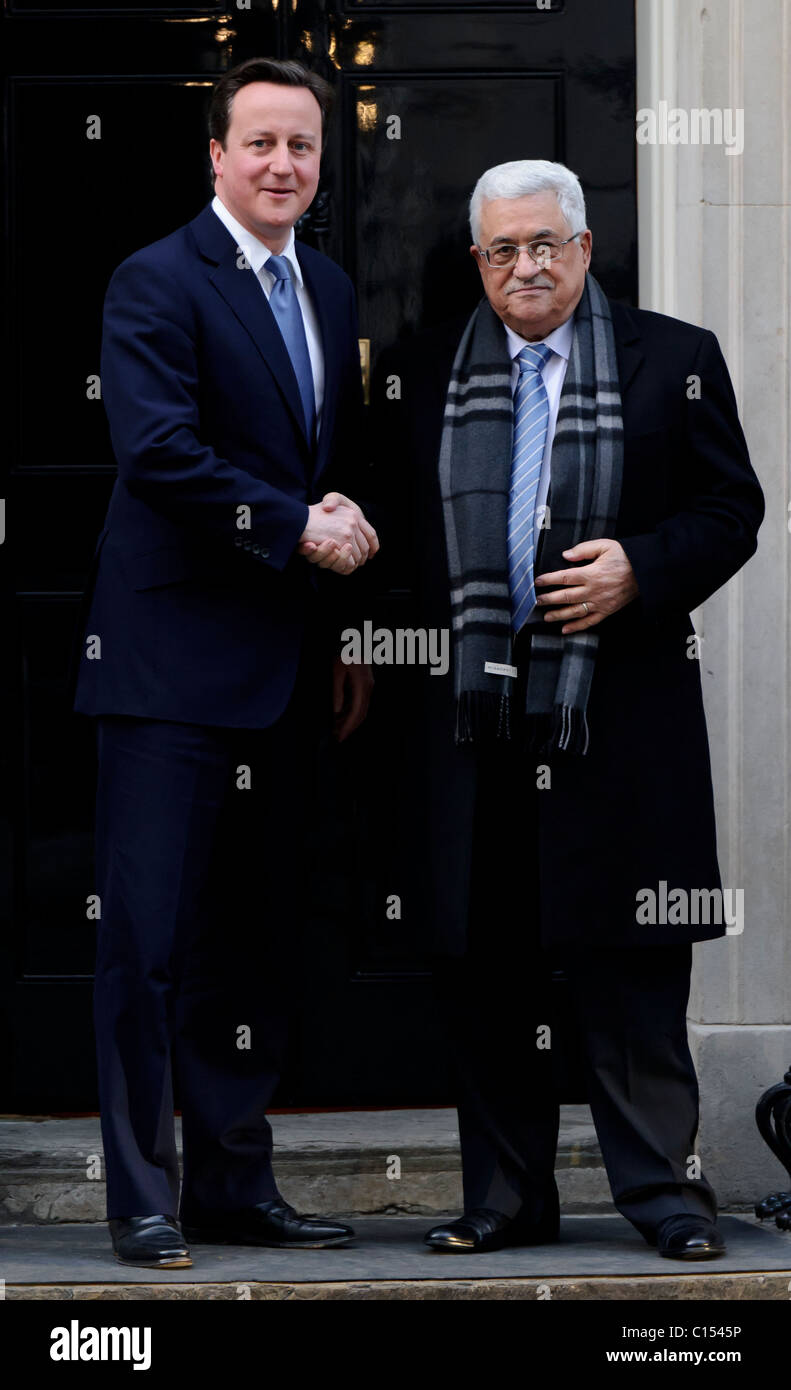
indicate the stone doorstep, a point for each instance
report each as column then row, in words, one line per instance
column 331, row 1162
column 662, row 1288
column 597, row 1257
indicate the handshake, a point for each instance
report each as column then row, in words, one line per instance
column 337, row 536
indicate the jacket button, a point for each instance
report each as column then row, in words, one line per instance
column 256, row 549
column 237, row 540
column 264, row 553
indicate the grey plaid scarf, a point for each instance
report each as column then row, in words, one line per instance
column 474, row 475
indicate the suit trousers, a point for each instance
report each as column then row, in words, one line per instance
column 629, row 1005
column 200, row 850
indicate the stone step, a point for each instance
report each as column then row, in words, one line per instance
column 351, row 1162
column 597, row 1257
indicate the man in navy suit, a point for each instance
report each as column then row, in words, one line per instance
column 230, row 374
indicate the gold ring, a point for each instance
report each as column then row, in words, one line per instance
column 585, row 606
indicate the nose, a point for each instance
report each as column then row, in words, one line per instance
column 525, row 267
column 280, row 159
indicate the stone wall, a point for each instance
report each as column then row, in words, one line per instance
column 715, row 249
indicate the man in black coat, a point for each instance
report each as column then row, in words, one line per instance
column 601, row 861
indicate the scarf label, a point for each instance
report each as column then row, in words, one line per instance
column 498, row 668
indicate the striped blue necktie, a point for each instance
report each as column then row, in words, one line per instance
column 531, row 418
column 285, row 307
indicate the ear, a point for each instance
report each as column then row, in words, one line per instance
column 586, row 244
column 216, row 152
column 477, row 258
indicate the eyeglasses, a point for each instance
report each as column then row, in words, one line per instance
column 544, row 249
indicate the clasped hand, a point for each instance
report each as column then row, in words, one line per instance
column 337, row 536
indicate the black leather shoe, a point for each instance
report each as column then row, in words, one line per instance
column 267, row 1223
column 685, row 1237
column 484, row 1229
column 155, row 1242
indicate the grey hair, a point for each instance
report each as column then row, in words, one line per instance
column 524, row 176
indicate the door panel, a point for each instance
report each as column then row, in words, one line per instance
column 67, row 238
column 462, row 87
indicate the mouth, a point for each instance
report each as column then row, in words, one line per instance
column 531, row 289
column 278, row 192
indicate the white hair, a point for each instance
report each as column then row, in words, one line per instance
column 520, row 177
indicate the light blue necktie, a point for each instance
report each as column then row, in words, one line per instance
column 531, row 418
column 285, row 307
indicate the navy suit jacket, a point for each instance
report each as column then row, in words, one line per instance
column 200, row 618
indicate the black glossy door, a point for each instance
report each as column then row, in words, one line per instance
column 106, row 120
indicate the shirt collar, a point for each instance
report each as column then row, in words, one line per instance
column 559, row 340
column 254, row 250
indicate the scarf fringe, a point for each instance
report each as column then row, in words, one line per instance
column 482, row 716
column 564, row 730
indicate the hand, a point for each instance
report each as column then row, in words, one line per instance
column 331, row 500
column 606, row 585
column 328, row 556
column 337, row 535
column 352, row 687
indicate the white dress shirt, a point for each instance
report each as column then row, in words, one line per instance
column 257, row 254
column 553, row 375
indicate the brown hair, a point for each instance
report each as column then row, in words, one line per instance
column 287, row 72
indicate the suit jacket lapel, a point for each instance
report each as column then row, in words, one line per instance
column 332, row 365
column 245, row 297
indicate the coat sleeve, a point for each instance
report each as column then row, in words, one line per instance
column 691, row 554
column 150, row 387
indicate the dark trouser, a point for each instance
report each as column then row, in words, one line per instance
column 630, row 1007
column 201, row 880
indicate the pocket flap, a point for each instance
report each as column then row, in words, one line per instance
column 167, row 565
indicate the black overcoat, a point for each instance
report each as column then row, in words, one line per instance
column 637, row 810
